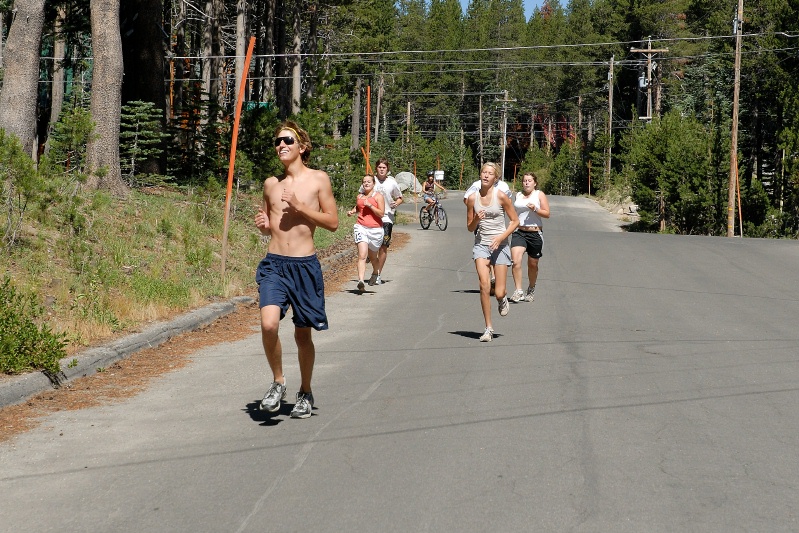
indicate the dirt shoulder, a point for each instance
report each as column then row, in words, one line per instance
column 132, row 375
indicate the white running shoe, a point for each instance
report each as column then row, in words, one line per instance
column 488, row 336
column 530, row 296
column 504, row 306
column 517, row 296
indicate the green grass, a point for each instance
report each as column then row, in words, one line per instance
column 99, row 265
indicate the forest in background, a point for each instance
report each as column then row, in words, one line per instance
column 126, row 94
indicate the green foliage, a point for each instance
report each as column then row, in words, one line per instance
column 256, row 141
column 25, row 343
column 539, row 163
column 667, row 164
column 140, row 139
column 567, row 175
column 20, row 186
column 68, row 140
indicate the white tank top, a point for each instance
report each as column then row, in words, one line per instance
column 528, row 218
column 493, row 222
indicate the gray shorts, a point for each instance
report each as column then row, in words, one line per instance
column 500, row 256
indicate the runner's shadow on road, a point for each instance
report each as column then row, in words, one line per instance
column 265, row 418
column 468, row 291
column 356, row 292
column 472, row 334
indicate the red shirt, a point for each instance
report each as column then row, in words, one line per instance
column 367, row 217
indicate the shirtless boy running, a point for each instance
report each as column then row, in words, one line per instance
column 294, row 205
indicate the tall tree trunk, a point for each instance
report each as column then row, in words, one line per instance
column 269, row 45
column 356, row 117
column 296, row 63
column 212, row 51
column 282, row 89
column 2, row 41
column 180, row 67
column 102, row 152
column 57, row 92
column 313, row 61
column 206, row 54
column 20, row 81
column 241, row 42
column 143, row 54
column 219, row 53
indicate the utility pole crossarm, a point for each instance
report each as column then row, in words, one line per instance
column 649, row 51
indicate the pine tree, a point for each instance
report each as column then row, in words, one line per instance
column 140, row 140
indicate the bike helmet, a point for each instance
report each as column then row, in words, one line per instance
column 431, row 173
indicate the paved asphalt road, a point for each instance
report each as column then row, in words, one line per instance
column 653, row 386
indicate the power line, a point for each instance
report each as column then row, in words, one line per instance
column 498, row 49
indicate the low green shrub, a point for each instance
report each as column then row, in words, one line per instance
column 24, row 344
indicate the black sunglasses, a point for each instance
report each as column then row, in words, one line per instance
column 288, row 141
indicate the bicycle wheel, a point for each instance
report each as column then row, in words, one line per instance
column 441, row 219
column 425, row 218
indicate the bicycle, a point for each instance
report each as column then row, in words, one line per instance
column 428, row 213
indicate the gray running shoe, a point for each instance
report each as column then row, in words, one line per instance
column 379, row 281
column 517, row 296
column 272, row 398
column 488, row 336
column 504, row 306
column 372, row 279
column 360, row 285
column 302, row 409
column 530, row 296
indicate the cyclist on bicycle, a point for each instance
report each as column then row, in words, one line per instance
column 429, row 189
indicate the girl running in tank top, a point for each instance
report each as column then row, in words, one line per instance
column 532, row 206
column 485, row 216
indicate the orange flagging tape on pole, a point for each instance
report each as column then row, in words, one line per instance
column 366, row 158
column 239, row 102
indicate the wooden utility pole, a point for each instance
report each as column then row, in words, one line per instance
column 504, row 131
column 377, row 112
column 480, row 127
column 738, row 29
column 408, row 131
column 610, row 122
column 649, row 51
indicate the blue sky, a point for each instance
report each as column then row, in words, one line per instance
column 529, row 5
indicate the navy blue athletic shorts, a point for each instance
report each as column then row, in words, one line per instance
column 295, row 281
